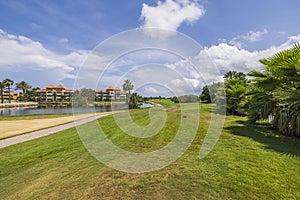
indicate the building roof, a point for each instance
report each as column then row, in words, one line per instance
column 50, row 86
column 110, row 88
column 60, row 87
column 118, row 89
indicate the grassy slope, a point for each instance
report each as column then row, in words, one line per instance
column 247, row 163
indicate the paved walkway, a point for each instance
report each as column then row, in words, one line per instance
column 48, row 131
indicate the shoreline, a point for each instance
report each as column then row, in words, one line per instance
column 18, row 105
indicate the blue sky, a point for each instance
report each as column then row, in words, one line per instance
column 47, row 41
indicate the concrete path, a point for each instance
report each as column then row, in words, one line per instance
column 44, row 132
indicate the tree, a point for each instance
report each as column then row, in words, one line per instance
column 188, row 98
column 54, row 96
column 2, row 86
column 276, row 91
column 234, row 75
column 101, row 97
column 83, row 97
column 205, row 95
column 32, row 94
column 175, row 99
column 8, row 83
column 24, row 87
column 88, row 94
column 127, row 86
column 78, row 100
column 235, row 88
column 210, row 92
column 134, row 101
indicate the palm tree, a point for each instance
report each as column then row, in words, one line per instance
column 276, row 91
column 134, row 101
column 54, row 96
column 2, row 86
column 235, row 88
column 24, row 87
column 128, row 86
column 8, row 83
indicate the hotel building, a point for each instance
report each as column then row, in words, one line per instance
column 110, row 94
column 12, row 95
column 55, row 93
column 59, row 93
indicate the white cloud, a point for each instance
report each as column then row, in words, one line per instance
column 251, row 36
column 63, row 40
column 213, row 62
column 151, row 90
column 34, row 26
column 168, row 73
column 193, row 82
column 21, row 54
column 280, row 33
column 170, row 14
column 225, row 57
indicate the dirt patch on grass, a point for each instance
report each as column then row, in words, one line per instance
column 17, row 127
column 173, row 109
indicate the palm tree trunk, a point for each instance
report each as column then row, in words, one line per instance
column 2, row 99
column 24, row 95
column 9, row 100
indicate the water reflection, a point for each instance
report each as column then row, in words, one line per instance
column 52, row 110
column 64, row 110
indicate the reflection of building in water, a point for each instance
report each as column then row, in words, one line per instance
column 110, row 94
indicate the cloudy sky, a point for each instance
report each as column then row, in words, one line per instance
column 49, row 42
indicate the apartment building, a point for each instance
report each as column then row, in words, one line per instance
column 55, row 93
column 110, row 94
column 12, row 95
column 60, row 93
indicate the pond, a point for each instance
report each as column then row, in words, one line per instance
column 62, row 110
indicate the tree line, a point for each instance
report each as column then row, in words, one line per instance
column 7, row 84
column 80, row 96
column 86, row 96
column 273, row 94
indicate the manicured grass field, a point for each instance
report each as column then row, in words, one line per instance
column 247, row 163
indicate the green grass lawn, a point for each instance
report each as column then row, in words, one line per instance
column 248, row 162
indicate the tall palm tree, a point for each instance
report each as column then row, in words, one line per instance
column 128, row 86
column 234, row 75
column 2, row 86
column 8, row 83
column 24, row 86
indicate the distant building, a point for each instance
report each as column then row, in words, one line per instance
column 60, row 93
column 110, row 94
column 13, row 95
column 55, row 93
